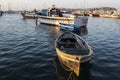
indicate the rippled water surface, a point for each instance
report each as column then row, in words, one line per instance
column 27, row 51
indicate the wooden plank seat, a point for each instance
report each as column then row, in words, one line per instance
column 76, row 51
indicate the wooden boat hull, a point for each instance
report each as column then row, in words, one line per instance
column 69, row 61
column 73, row 61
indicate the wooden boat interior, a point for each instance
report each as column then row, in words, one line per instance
column 72, row 45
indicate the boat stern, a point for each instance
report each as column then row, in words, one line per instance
column 72, row 62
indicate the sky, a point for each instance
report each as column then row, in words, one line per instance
column 40, row 4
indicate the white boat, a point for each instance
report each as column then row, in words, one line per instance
column 53, row 20
column 28, row 15
column 72, row 50
column 110, row 16
column 53, row 16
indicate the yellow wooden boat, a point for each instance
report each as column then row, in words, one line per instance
column 72, row 50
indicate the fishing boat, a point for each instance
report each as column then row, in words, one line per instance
column 54, row 16
column 76, row 27
column 96, row 15
column 29, row 15
column 72, row 50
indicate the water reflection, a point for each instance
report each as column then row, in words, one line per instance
column 83, row 31
column 85, row 73
column 55, row 30
column 64, row 73
column 52, row 30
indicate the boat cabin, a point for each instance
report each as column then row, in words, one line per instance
column 51, row 12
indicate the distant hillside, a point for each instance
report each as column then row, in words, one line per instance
column 103, row 8
column 90, row 9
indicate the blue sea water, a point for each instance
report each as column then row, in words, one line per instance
column 27, row 51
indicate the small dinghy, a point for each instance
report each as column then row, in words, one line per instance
column 69, row 27
column 72, row 50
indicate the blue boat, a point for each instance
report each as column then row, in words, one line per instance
column 69, row 27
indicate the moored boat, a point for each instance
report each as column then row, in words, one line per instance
column 68, row 27
column 76, row 27
column 96, row 15
column 54, row 20
column 72, row 50
column 115, row 14
column 29, row 15
column 54, row 16
column 110, row 16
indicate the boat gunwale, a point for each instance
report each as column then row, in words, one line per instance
column 89, row 47
column 56, row 18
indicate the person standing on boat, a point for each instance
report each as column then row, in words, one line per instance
column 51, row 12
column 58, row 12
